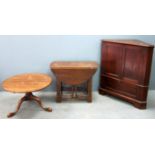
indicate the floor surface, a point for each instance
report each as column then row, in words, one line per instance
column 102, row 107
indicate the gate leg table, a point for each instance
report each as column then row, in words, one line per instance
column 74, row 74
column 27, row 83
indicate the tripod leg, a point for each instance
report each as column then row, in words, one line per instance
column 17, row 108
column 37, row 99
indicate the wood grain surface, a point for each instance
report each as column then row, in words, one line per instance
column 130, row 42
column 72, row 72
column 74, row 65
column 125, row 70
column 25, row 83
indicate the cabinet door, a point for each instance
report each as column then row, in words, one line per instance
column 134, row 64
column 135, row 59
column 112, row 59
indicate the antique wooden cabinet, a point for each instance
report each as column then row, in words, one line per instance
column 125, row 70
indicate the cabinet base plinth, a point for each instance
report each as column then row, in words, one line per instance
column 136, row 103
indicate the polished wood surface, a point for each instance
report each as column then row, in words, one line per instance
column 27, row 83
column 74, row 74
column 125, row 70
column 74, row 65
column 130, row 42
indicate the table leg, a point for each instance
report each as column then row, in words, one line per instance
column 74, row 91
column 37, row 99
column 89, row 90
column 27, row 97
column 59, row 91
column 11, row 114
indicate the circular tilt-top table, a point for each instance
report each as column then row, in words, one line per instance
column 27, row 83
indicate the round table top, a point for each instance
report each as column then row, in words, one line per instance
column 26, row 83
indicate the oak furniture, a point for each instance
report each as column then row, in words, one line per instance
column 27, row 83
column 125, row 70
column 78, row 75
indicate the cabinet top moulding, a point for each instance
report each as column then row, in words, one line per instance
column 130, row 42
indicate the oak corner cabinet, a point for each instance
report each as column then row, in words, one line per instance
column 125, row 70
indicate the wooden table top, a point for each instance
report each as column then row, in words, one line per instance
column 74, row 65
column 25, row 83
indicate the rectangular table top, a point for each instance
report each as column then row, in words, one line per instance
column 74, row 65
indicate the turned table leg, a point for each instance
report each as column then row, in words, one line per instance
column 29, row 97
column 59, row 91
column 89, row 90
column 74, row 91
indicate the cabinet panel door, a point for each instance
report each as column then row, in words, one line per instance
column 110, row 83
column 119, row 86
column 112, row 59
column 134, row 60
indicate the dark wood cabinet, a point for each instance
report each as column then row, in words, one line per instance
column 125, row 70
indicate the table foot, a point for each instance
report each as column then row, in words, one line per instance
column 37, row 99
column 29, row 97
column 11, row 114
column 48, row 109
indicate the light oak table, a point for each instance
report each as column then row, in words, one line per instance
column 74, row 74
column 27, row 83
